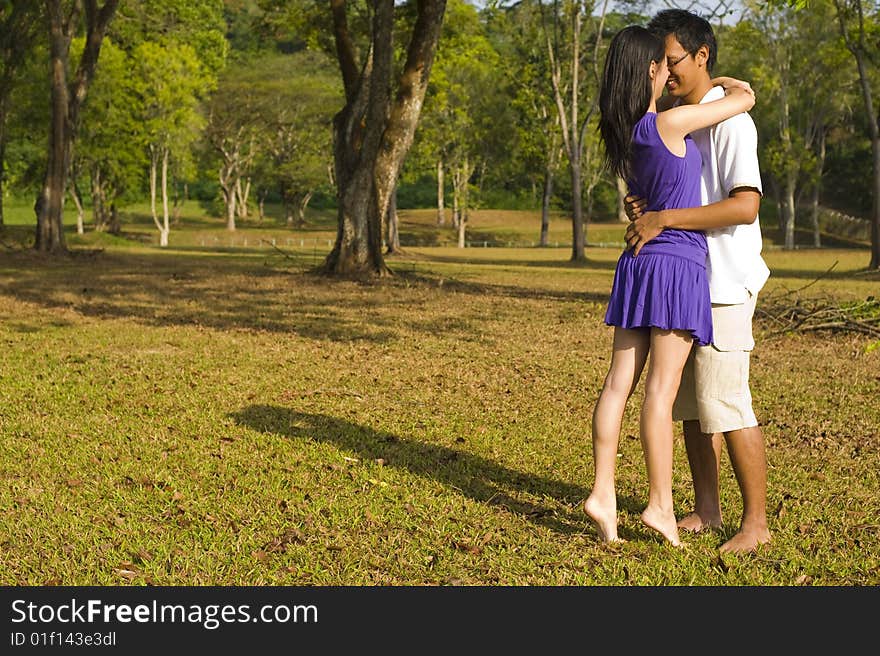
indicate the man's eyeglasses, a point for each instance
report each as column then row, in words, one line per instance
column 672, row 64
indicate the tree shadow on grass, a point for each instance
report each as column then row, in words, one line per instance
column 230, row 293
column 480, row 479
column 452, row 284
column 561, row 263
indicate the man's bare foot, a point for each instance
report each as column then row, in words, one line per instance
column 746, row 542
column 662, row 522
column 604, row 518
column 694, row 523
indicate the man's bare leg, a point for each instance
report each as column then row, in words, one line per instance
column 704, row 458
column 746, row 449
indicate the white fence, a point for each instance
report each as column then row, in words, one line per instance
column 243, row 241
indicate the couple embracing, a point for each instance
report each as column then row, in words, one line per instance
column 685, row 287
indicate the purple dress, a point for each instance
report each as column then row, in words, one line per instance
column 666, row 285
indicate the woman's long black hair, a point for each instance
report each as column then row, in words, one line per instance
column 626, row 92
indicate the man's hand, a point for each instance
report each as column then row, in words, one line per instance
column 633, row 206
column 642, row 230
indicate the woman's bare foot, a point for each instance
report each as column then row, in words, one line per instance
column 604, row 518
column 663, row 523
column 694, row 522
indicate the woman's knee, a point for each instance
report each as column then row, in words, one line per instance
column 619, row 384
column 662, row 384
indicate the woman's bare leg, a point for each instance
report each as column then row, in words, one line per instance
column 629, row 352
column 669, row 350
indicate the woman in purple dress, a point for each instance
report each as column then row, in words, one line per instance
column 660, row 299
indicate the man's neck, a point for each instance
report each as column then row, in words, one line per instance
column 697, row 93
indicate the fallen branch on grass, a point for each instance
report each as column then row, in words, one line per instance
column 789, row 312
column 284, row 253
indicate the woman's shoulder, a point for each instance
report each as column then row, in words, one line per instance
column 645, row 126
column 646, row 133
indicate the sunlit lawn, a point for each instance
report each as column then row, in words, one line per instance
column 215, row 415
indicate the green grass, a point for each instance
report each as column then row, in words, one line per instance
column 214, row 415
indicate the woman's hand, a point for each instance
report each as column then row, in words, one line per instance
column 731, row 83
column 746, row 95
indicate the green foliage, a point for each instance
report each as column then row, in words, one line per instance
column 198, row 23
column 112, row 109
column 489, row 97
column 307, row 24
column 27, row 126
column 171, row 83
column 804, row 82
column 848, row 174
column 295, row 98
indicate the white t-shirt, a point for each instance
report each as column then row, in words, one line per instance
column 730, row 160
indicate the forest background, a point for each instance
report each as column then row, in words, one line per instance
column 231, row 104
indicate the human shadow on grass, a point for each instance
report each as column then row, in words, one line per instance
column 479, row 478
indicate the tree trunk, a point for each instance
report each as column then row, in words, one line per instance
column 230, row 196
column 154, row 174
column 372, row 134
column 161, row 226
column 546, row 197
column 572, row 129
column 462, row 229
column 65, row 105
column 814, row 214
column 98, row 201
column 621, row 199
column 50, row 204
column 465, row 196
column 859, row 50
column 241, row 198
column 577, row 214
column 441, row 203
column 301, row 208
column 456, row 202
column 80, row 211
column 817, row 188
column 789, row 210
column 115, row 225
column 875, row 220
column 393, row 245
column 2, row 160
column 164, row 230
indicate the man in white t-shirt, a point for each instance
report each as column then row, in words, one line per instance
column 714, row 398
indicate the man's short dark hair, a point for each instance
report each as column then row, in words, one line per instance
column 692, row 31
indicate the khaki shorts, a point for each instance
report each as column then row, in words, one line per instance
column 714, row 385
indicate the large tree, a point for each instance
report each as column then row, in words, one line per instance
column 67, row 100
column 859, row 23
column 574, row 84
column 373, row 132
column 171, row 84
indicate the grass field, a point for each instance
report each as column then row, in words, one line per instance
column 215, row 413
